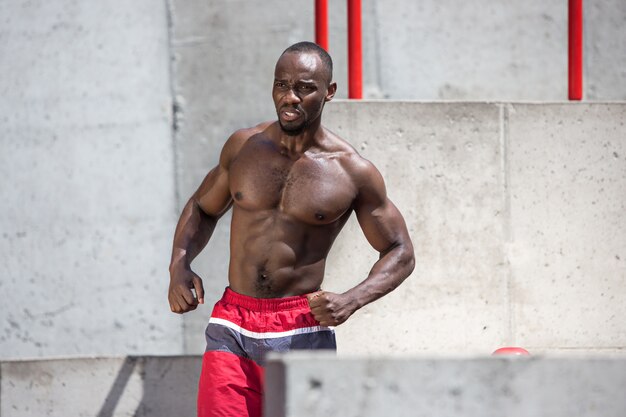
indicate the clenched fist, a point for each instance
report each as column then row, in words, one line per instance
column 331, row 309
column 180, row 296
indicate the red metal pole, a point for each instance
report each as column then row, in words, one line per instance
column 321, row 23
column 355, row 50
column 575, row 53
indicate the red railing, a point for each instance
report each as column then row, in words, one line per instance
column 355, row 49
column 575, row 50
column 321, row 23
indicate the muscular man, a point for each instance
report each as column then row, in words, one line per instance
column 292, row 185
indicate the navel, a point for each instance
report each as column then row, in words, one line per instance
column 263, row 285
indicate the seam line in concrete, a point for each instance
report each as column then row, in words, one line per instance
column 506, row 215
column 174, row 100
column 173, row 131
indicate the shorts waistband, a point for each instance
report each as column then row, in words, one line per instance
column 265, row 304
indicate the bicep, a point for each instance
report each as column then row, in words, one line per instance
column 380, row 220
column 383, row 225
column 213, row 196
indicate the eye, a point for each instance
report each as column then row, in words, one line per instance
column 279, row 84
column 305, row 88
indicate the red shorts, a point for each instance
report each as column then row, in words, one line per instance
column 241, row 331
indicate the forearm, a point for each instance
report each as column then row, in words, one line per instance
column 193, row 232
column 392, row 268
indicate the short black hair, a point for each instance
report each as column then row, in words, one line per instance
column 306, row 46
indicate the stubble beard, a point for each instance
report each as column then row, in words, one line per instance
column 295, row 130
column 304, row 125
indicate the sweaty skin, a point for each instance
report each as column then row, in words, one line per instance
column 292, row 185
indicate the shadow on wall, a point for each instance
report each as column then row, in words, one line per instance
column 169, row 387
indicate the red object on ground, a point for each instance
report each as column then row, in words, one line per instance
column 355, row 51
column 321, row 23
column 575, row 50
column 511, row 351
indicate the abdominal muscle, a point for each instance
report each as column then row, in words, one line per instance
column 273, row 255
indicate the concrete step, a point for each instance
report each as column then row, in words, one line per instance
column 304, row 385
column 155, row 386
column 311, row 385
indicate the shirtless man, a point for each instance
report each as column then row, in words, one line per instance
column 292, row 185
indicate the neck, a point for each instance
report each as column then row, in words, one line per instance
column 296, row 145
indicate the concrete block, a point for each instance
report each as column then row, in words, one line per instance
column 567, row 176
column 100, row 387
column 315, row 385
column 86, row 163
column 441, row 164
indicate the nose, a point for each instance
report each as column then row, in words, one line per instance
column 291, row 97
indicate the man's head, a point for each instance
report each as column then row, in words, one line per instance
column 302, row 84
column 306, row 47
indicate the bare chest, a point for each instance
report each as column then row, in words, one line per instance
column 314, row 190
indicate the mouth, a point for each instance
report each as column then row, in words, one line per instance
column 290, row 114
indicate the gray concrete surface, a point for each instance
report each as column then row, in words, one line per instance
column 567, row 232
column 100, row 387
column 517, row 216
column 442, row 168
column 87, row 180
column 478, row 50
column 310, row 386
column 605, row 50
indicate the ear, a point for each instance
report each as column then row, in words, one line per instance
column 330, row 91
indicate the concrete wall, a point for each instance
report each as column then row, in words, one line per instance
column 310, row 386
column 100, row 387
column 87, row 180
column 517, row 215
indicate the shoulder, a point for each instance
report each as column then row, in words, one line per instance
column 236, row 141
column 361, row 170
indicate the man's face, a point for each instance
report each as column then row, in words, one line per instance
column 301, row 87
